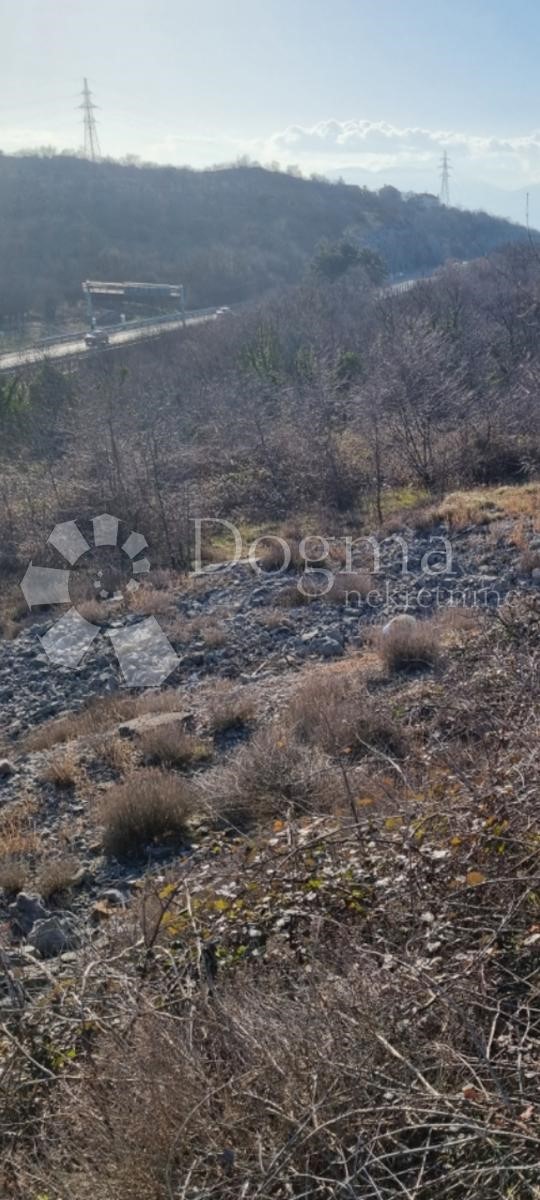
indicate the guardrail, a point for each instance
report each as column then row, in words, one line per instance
column 143, row 323
column 175, row 319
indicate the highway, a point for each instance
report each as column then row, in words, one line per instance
column 119, row 337
column 75, row 344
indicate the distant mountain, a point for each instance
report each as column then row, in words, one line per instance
column 227, row 234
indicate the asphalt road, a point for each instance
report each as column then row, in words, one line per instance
column 54, row 350
column 36, row 354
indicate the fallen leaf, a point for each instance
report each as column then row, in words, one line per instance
column 474, row 878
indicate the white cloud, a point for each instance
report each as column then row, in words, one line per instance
column 376, row 145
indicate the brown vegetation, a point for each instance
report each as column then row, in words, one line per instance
column 229, row 706
column 151, row 806
column 334, row 711
column 410, row 647
column 56, row 876
column 61, row 770
column 98, row 716
column 171, row 746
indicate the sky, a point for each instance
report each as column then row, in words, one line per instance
column 370, row 90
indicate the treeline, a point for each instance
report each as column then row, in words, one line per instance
column 228, row 234
column 330, row 400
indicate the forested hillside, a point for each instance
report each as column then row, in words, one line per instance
column 227, row 234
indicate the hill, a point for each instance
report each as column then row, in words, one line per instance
column 227, row 234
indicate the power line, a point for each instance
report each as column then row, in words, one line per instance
column 91, row 140
column 444, row 194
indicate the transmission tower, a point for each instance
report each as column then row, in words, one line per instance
column 91, row 140
column 444, row 194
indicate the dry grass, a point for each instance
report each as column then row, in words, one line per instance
column 290, row 549
column 482, row 506
column 270, row 776
column 271, row 619
column 14, row 874
column 291, row 596
column 348, row 587
column 56, row 876
column 338, row 1009
column 169, row 745
column 213, row 635
column 13, row 611
column 61, row 770
column 529, row 561
column 229, row 706
column 150, row 807
column 18, row 835
column 267, row 1084
column 410, row 648
column 92, row 611
column 456, row 619
column 116, row 753
column 335, row 712
column 100, row 715
column 150, row 602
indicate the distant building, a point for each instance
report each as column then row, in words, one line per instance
column 426, row 200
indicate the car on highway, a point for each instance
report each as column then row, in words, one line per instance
column 97, row 337
column 224, row 312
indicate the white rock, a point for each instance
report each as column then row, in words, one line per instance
column 401, row 620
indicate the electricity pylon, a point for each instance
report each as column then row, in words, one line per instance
column 444, row 194
column 91, row 140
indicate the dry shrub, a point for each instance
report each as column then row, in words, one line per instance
column 230, row 706
column 483, row 506
column 272, row 556
column 529, row 561
column 259, row 1092
column 348, row 586
column 302, row 546
column 56, row 876
column 101, row 714
column 152, row 806
column 335, row 712
column 166, row 580
column 269, row 776
column 213, row 635
column 410, row 648
column 18, row 836
column 9, row 629
column 95, row 717
column 271, row 619
column 178, row 628
column 116, row 753
column 420, row 519
column 13, row 611
column 291, row 596
column 456, row 619
column 171, row 746
column 148, row 601
column 14, row 873
column 157, row 702
column 61, row 770
column 92, row 611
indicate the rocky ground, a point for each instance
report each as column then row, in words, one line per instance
column 485, row 569
column 246, row 643
column 234, row 624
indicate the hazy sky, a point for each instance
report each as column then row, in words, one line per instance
column 370, row 89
